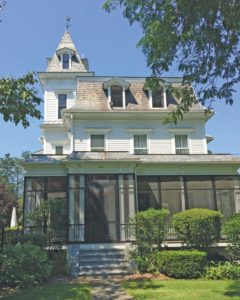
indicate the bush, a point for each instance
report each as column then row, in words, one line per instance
column 24, row 266
column 150, row 228
column 231, row 229
column 182, row 263
column 39, row 240
column 198, row 227
column 225, row 270
column 58, row 261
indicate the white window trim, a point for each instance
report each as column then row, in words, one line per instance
column 105, row 140
column 132, row 143
column 188, row 140
column 139, row 131
column 164, row 99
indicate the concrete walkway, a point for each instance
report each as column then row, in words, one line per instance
column 106, row 287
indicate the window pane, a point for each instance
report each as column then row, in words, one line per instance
column 225, row 202
column 34, row 184
column 59, row 150
column 117, row 96
column 62, row 104
column 140, row 144
column 148, row 192
column 224, row 182
column 170, row 183
column 196, row 182
column 65, row 61
column 171, row 199
column 200, row 199
column 57, row 183
column 157, row 98
column 97, row 142
column 181, row 144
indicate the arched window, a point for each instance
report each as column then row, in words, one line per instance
column 116, row 96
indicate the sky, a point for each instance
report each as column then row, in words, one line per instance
column 30, row 32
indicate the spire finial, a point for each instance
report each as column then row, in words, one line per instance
column 68, row 22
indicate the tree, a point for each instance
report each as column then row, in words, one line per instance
column 199, row 37
column 19, row 100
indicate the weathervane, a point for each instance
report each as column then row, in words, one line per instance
column 2, row 5
column 67, row 24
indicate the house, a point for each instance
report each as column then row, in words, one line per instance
column 107, row 154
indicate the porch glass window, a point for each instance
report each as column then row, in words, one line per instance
column 157, row 98
column 62, row 104
column 140, row 144
column 181, row 144
column 200, row 192
column 226, row 194
column 97, row 142
column 116, row 96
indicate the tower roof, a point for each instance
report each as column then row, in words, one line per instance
column 67, row 46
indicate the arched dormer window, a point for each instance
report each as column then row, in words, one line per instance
column 116, row 96
column 116, row 88
column 65, row 56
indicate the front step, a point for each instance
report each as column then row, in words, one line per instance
column 103, row 261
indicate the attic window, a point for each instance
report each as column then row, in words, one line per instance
column 157, row 98
column 116, row 96
column 65, row 61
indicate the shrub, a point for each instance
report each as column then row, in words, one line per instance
column 150, row 228
column 182, row 263
column 39, row 240
column 58, row 261
column 231, row 229
column 225, row 270
column 198, row 227
column 24, row 265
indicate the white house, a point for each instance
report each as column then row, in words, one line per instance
column 107, row 154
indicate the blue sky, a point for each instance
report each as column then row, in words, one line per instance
column 31, row 31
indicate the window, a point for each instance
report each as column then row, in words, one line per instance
column 62, row 104
column 65, row 61
column 157, row 98
column 97, row 142
column 140, row 144
column 181, row 144
column 116, row 96
column 59, row 149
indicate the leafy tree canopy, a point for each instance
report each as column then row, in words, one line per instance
column 19, row 99
column 199, row 37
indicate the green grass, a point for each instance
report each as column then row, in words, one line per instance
column 57, row 291
column 183, row 289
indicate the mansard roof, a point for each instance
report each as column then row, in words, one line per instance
column 66, row 45
column 92, row 95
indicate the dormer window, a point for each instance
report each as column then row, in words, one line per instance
column 158, row 98
column 116, row 89
column 116, row 96
column 65, row 56
column 65, row 61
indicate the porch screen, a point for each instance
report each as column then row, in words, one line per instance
column 200, row 192
column 172, row 193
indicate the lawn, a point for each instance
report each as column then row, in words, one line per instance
column 183, row 289
column 57, row 291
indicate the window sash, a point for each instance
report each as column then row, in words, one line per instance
column 62, row 104
column 97, row 142
column 181, row 144
column 140, row 144
column 59, row 149
column 157, row 98
column 117, row 96
column 65, row 61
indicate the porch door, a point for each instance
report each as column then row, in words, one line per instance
column 101, row 208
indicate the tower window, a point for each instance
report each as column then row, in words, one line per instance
column 65, row 61
column 62, row 104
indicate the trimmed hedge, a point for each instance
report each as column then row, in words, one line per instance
column 231, row 229
column 198, row 227
column 150, row 227
column 182, row 263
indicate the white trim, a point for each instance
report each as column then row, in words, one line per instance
column 139, row 131
column 164, row 98
column 97, row 130
column 181, row 131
